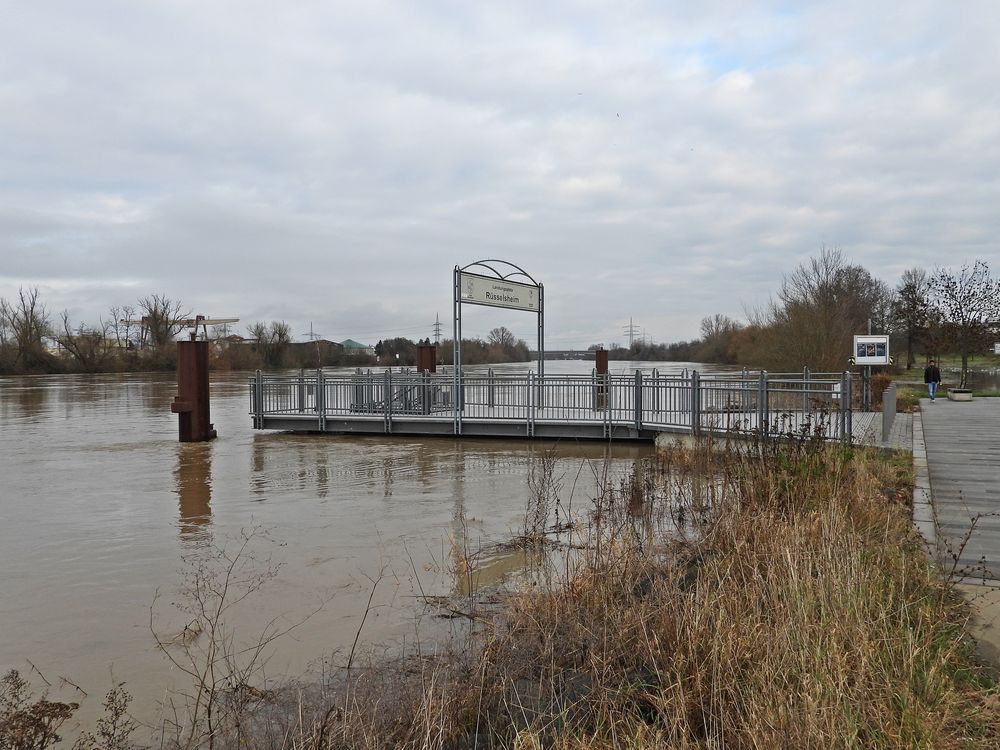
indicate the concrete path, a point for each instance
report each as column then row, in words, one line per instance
column 963, row 460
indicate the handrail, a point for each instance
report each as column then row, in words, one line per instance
column 745, row 402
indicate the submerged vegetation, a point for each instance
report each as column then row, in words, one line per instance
column 721, row 595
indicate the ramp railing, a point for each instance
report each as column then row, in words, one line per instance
column 741, row 402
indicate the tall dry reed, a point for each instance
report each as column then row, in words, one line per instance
column 735, row 595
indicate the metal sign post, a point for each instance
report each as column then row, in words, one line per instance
column 494, row 283
column 871, row 349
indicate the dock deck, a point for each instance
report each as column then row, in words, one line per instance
column 602, row 407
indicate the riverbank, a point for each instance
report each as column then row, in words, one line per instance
column 721, row 595
column 791, row 606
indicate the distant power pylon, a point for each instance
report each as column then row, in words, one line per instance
column 315, row 337
column 437, row 329
column 631, row 330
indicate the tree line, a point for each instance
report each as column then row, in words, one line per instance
column 130, row 337
column 810, row 322
column 141, row 336
column 821, row 305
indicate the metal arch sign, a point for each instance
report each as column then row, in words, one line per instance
column 495, row 288
column 494, row 292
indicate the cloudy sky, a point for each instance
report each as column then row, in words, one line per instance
column 331, row 162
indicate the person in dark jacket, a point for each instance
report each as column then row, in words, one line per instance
column 932, row 376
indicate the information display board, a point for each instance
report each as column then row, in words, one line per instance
column 871, row 350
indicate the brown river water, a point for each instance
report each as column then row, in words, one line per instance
column 100, row 506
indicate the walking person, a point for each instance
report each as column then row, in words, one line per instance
column 932, row 376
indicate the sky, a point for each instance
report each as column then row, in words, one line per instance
column 330, row 163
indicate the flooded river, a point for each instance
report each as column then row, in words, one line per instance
column 100, row 506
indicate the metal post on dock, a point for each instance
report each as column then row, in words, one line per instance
column 765, row 390
column 847, row 405
column 531, row 409
column 866, row 388
column 637, row 400
column 805, row 393
column 841, row 413
column 321, row 400
column 684, row 393
column 257, row 407
column 695, row 402
column 761, row 399
column 387, row 396
column 745, row 400
column 302, row 390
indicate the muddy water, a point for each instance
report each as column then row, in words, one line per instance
column 100, row 507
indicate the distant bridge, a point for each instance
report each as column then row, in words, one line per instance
column 565, row 354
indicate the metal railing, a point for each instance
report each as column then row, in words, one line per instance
column 738, row 402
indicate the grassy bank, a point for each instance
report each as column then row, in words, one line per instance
column 759, row 596
column 764, row 596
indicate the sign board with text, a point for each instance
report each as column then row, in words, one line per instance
column 482, row 290
column 871, row 350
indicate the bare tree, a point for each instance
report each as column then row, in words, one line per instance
column 90, row 347
column 820, row 307
column 123, row 325
column 8, row 352
column 969, row 305
column 911, row 309
column 25, row 326
column 936, row 337
column 717, row 338
column 161, row 319
column 502, row 337
column 271, row 341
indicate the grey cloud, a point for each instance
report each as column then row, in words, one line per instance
column 332, row 162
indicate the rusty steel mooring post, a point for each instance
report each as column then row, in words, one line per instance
column 426, row 358
column 601, row 385
column 426, row 363
column 602, row 361
column 191, row 404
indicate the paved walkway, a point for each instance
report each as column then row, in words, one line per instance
column 963, row 459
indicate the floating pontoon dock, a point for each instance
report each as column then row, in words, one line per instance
column 597, row 406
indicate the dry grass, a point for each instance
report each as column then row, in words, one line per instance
column 754, row 596
column 805, row 616
column 751, row 595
